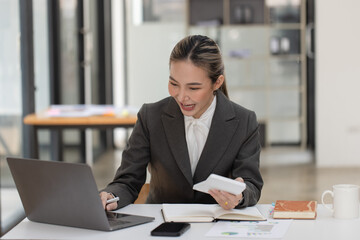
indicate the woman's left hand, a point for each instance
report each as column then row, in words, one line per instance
column 227, row 200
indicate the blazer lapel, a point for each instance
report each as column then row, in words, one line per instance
column 173, row 121
column 220, row 135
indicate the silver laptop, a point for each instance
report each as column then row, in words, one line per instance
column 65, row 194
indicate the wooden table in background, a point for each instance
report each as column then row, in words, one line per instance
column 56, row 124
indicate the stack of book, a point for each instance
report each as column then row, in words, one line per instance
column 285, row 209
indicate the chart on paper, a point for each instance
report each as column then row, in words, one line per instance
column 252, row 229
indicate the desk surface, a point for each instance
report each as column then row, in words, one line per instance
column 324, row 227
column 41, row 120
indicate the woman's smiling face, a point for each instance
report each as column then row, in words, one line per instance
column 191, row 87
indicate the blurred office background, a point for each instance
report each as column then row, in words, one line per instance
column 294, row 62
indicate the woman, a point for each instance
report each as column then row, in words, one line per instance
column 186, row 137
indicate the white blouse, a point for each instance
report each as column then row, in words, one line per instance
column 196, row 132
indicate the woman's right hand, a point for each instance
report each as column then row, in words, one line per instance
column 104, row 196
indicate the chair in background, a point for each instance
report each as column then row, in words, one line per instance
column 144, row 192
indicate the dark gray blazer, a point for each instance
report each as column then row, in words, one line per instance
column 232, row 149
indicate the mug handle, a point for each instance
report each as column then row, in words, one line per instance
column 322, row 199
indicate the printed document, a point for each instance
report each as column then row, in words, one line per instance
column 250, row 229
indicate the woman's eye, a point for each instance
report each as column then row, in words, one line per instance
column 174, row 84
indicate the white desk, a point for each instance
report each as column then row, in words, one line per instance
column 12, row 210
column 324, row 227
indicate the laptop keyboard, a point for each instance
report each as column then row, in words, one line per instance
column 116, row 218
column 117, row 221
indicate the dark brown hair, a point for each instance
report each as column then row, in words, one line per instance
column 203, row 52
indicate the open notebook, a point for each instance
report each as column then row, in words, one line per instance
column 208, row 213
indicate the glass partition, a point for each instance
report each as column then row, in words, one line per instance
column 10, row 96
column 10, row 109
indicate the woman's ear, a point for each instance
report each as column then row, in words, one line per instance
column 219, row 82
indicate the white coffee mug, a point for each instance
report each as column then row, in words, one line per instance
column 345, row 201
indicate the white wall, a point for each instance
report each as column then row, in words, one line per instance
column 149, row 48
column 149, row 45
column 337, row 83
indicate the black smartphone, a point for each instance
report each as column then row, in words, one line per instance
column 173, row 229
